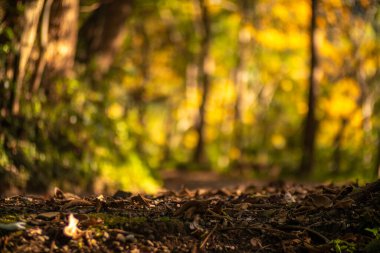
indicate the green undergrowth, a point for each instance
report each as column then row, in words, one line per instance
column 9, row 218
column 111, row 220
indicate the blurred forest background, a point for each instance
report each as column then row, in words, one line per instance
column 97, row 95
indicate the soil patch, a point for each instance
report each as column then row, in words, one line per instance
column 276, row 217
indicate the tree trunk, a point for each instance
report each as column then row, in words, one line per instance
column 43, row 42
column 377, row 162
column 239, row 74
column 58, row 37
column 103, row 34
column 337, row 154
column 60, row 51
column 308, row 144
column 28, row 35
column 204, row 79
column 7, row 61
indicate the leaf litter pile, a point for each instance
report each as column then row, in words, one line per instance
column 277, row 217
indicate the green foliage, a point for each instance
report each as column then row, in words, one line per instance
column 375, row 232
column 119, row 131
column 373, row 245
column 341, row 246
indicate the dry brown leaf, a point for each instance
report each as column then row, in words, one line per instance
column 76, row 202
column 48, row 215
column 256, row 243
column 320, row 201
column 344, row 203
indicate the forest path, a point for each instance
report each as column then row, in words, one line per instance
column 176, row 180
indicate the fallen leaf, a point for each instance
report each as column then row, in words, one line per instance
column 59, row 194
column 48, row 215
column 344, row 203
column 76, row 202
column 256, row 243
column 319, row 201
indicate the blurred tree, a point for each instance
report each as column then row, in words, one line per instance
column 103, row 33
column 60, row 43
column 27, row 22
column 308, row 145
column 54, row 26
column 240, row 72
column 204, row 69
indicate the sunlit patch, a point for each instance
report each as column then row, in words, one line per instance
column 190, row 139
column 115, row 111
column 71, row 230
column 278, row 141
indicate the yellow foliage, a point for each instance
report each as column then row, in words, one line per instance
column 370, row 66
column 132, row 176
column 211, row 133
column 278, row 141
column 115, row 111
column 248, row 117
column 190, row 139
column 156, row 129
column 271, row 38
column 301, row 107
column 281, row 11
column 246, row 33
column 334, row 3
column 326, row 132
column 234, row 153
column 342, row 102
column 286, row 85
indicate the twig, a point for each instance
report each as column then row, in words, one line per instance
column 207, row 237
column 218, row 215
column 261, row 228
column 324, row 238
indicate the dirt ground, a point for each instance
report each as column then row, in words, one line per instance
column 242, row 217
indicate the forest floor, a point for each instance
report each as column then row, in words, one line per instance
column 273, row 217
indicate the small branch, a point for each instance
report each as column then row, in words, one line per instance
column 324, row 238
column 208, row 236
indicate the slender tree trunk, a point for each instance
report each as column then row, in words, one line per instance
column 204, row 79
column 144, row 67
column 239, row 75
column 43, row 43
column 377, row 162
column 10, row 19
column 29, row 32
column 308, row 144
column 337, row 154
column 103, row 34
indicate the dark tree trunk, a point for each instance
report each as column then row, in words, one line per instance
column 204, row 79
column 28, row 36
column 58, row 38
column 377, row 161
column 60, row 49
column 337, row 154
column 10, row 19
column 242, row 54
column 103, row 34
column 308, row 145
